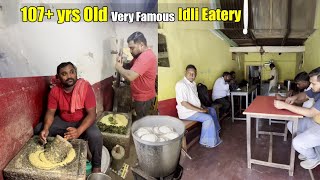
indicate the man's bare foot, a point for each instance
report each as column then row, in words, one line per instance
column 96, row 170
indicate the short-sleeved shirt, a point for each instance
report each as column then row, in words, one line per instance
column 143, row 87
column 59, row 99
column 274, row 81
column 309, row 102
column 186, row 91
column 316, row 97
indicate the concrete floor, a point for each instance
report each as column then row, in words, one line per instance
column 228, row 161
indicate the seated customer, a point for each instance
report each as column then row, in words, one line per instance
column 76, row 103
column 189, row 108
column 233, row 85
column 221, row 92
column 303, row 83
column 308, row 136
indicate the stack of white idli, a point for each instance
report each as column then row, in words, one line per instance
column 156, row 133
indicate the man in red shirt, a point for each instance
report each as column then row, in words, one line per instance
column 142, row 73
column 75, row 100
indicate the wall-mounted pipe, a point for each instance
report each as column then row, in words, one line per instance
column 270, row 49
column 245, row 17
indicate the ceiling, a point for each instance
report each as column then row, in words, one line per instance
column 271, row 22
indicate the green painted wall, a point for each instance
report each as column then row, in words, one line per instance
column 193, row 43
column 285, row 63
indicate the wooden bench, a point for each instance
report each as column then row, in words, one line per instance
column 192, row 134
column 193, row 128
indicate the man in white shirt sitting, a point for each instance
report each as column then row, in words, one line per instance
column 189, row 108
column 221, row 92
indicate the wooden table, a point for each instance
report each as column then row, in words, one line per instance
column 282, row 92
column 243, row 92
column 263, row 107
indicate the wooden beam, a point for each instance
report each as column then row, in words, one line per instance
column 270, row 164
column 271, row 49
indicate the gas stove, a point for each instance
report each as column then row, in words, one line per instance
column 139, row 174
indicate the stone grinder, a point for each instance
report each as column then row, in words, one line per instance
column 20, row 168
column 57, row 150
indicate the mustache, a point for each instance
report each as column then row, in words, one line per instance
column 70, row 79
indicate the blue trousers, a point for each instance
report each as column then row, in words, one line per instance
column 210, row 127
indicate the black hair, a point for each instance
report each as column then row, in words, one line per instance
column 303, row 76
column 272, row 65
column 315, row 72
column 137, row 37
column 226, row 74
column 232, row 72
column 191, row 66
column 64, row 64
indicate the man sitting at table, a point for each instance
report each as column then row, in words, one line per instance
column 221, row 92
column 303, row 83
column 233, row 85
column 308, row 134
column 189, row 107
